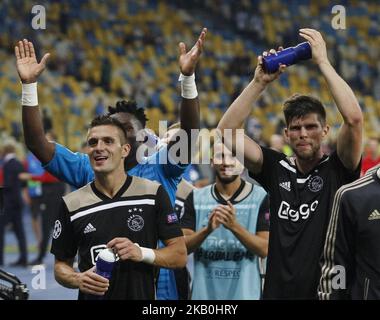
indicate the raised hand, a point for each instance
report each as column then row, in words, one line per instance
column 188, row 60
column 318, row 45
column 26, row 63
column 266, row 78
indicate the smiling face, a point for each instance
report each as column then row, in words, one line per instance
column 227, row 167
column 305, row 135
column 107, row 149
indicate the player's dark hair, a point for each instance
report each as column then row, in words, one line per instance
column 104, row 120
column 129, row 106
column 298, row 106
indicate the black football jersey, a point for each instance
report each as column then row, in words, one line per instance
column 141, row 211
column 300, row 206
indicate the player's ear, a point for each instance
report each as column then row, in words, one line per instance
column 326, row 130
column 126, row 149
column 286, row 135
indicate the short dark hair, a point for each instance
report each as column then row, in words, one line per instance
column 107, row 120
column 298, row 106
column 129, row 106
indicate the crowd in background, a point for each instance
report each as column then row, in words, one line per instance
column 105, row 51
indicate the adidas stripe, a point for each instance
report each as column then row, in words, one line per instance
column 325, row 288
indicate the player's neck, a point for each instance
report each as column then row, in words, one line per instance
column 110, row 184
column 227, row 190
column 306, row 165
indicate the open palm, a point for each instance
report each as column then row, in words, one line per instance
column 188, row 60
column 26, row 63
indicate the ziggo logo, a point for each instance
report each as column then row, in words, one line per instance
column 303, row 212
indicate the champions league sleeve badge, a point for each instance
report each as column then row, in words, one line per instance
column 172, row 218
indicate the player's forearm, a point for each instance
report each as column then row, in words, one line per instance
column 189, row 114
column 189, row 117
column 241, row 108
column 171, row 257
column 343, row 95
column 65, row 275
column 189, row 111
column 193, row 241
column 254, row 243
column 34, row 134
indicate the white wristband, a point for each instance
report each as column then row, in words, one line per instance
column 29, row 95
column 148, row 255
column 188, row 86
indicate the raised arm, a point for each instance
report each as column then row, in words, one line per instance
column 189, row 112
column 241, row 109
column 350, row 133
column 29, row 70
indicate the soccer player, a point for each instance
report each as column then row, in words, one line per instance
column 226, row 226
column 125, row 213
column 75, row 169
column 301, row 188
column 351, row 253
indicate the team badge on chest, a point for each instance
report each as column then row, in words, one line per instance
column 135, row 222
column 315, row 184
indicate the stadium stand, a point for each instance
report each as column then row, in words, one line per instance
column 102, row 51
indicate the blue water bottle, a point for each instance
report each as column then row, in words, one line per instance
column 105, row 262
column 287, row 57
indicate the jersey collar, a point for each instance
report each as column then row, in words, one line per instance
column 235, row 197
column 291, row 165
column 124, row 187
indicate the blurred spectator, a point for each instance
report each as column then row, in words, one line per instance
column 45, row 202
column 371, row 155
column 254, row 130
column 277, row 142
column 13, row 204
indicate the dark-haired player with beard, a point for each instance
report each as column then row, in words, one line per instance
column 226, row 226
column 301, row 188
column 75, row 169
